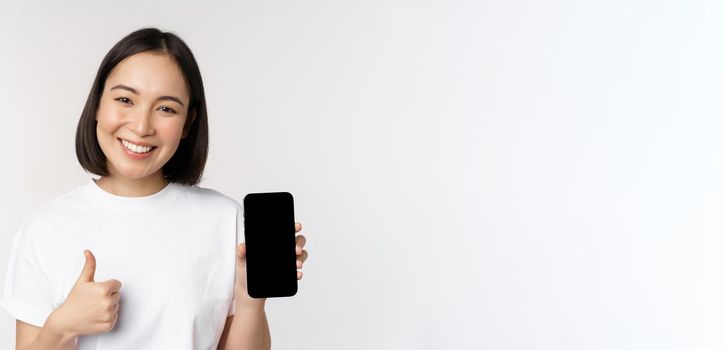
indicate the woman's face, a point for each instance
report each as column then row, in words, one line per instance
column 144, row 101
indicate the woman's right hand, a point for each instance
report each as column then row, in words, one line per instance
column 91, row 307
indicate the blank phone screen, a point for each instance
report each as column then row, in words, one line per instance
column 271, row 261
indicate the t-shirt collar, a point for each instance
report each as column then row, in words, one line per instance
column 134, row 204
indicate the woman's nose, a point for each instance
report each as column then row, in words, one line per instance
column 142, row 123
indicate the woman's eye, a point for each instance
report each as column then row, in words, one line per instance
column 169, row 110
column 127, row 101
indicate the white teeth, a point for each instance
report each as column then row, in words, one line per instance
column 136, row 148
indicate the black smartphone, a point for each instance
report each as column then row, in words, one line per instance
column 271, row 259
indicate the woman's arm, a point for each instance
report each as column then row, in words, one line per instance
column 248, row 330
column 29, row 337
column 267, row 336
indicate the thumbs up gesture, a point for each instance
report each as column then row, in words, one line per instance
column 90, row 307
column 241, row 293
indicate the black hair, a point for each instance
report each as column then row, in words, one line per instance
column 186, row 165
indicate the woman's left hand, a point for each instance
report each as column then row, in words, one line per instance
column 240, row 290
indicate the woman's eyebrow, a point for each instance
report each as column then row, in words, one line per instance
column 172, row 98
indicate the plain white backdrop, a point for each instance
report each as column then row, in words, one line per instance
column 469, row 174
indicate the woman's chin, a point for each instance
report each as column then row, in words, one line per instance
column 136, row 174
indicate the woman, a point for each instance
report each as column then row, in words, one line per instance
column 158, row 271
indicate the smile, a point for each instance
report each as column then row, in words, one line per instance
column 136, row 151
column 136, row 148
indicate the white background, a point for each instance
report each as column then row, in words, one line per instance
column 470, row 175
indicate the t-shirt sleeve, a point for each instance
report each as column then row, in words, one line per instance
column 26, row 294
column 239, row 240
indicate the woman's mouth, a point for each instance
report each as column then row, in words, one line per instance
column 135, row 151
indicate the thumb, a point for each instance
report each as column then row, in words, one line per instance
column 241, row 254
column 89, row 269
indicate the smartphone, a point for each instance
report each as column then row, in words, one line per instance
column 271, row 259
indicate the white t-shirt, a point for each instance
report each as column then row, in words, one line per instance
column 174, row 252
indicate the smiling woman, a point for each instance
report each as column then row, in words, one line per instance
column 140, row 121
column 167, row 240
column 148, row 92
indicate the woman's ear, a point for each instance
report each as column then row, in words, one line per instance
column 189, row 122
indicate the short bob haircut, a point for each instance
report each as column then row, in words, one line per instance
column 186, row 165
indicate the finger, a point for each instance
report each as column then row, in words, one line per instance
column 299, row 275
column 241, row 257
column 89, row 269
column 112, row 285
column 115, row 297
column 300, row 260
column 241, row 250
column 297, row 227
column 301, row 241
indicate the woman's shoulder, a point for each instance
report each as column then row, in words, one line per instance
column 57, row 202
column 44, row 213
column 212, row 196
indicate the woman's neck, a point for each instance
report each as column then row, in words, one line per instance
column 127, row 187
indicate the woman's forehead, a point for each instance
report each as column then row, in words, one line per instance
column 149, row 74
